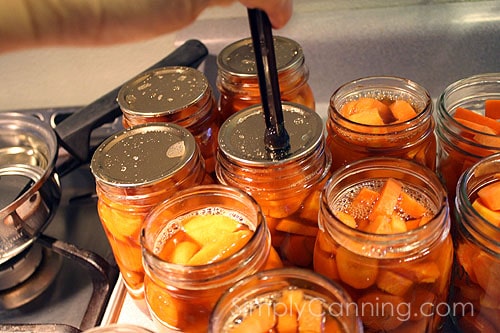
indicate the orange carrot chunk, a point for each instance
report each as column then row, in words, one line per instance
column 492, row 108
column 490, row 195
column 477, row 118
column 389, row 197
column 402, row 110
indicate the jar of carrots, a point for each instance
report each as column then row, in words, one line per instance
column 135, row 170
column 476, row 280
column 287, row 189
column 238, row 83
column 384, row 235
column 175, row 94
column 468, row 127
column 195, row 246
column 381, row 116
column 285, row 300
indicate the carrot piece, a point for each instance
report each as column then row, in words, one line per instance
column 410, row 206
column 402, row 110
column 332, row 325
column 311, row 208
column 325, row 243
column 489, row 138
column 298, row 250
column 491, row 216
column 389, row 197
column 167, row 308
column 380, row 225
column 287, row 322
column 346, row 219
column 378, row 311
column 393, row 283
column 367, row 117
column 423, row 272
column 355, row 270
column 294, row 227
column 326, row 265
column 492, row 108
column 262, row 319
column 490, row 195
column 311, row 319
column 289, row 302
column 474, row 126
column 466, row 254
column 273, row 260
column 421, row 303
column 205, row 229
column 363, row 104
column 397, row 224
column 183, row 252
column 412, row 224
column 224, row 247
column 477, row 118
column 363, row 202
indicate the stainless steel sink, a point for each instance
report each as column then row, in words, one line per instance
column 431, row 42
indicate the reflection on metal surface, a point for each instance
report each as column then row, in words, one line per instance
column 29, row 287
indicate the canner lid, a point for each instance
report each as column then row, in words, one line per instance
column 238, row 58
column 143, row 154
column 241, row 136
column 162, row 91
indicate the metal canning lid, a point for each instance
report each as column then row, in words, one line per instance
column 162, row 91
column 241, row 136
column 143, row 155
column 238, row 58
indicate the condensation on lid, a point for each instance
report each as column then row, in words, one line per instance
column 143, row 154
column 162, row 91
column 241, row 136
column 238, row 58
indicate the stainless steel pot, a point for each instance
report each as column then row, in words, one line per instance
column 29, row 167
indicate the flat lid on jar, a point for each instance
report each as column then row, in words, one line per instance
column 162, row 91
column 241, row 136
column 239, row 58
column 143, row 154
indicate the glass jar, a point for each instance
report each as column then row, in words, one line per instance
column 188, row 266
column 476, row 278
column 285, row 300
column 405, row 137
column 180, row 95
column 135, row 170
column 459, row 147
column 397, row 275
column 238, row 83
column 288, row 189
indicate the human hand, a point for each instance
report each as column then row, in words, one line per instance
column 278, row 11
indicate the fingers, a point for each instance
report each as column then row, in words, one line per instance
column 279, row 11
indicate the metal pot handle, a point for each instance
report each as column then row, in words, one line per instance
column 73, row 133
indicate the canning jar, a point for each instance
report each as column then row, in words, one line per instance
column 287, row 189
column 180, row 95
column 384, row 235
column 238, row 83
column 476, row 282
column 462, row 141
column 381, row 116
column 196, row 245
column 285, row 300
column 135, row 170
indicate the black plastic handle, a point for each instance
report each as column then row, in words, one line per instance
column 74, row 132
